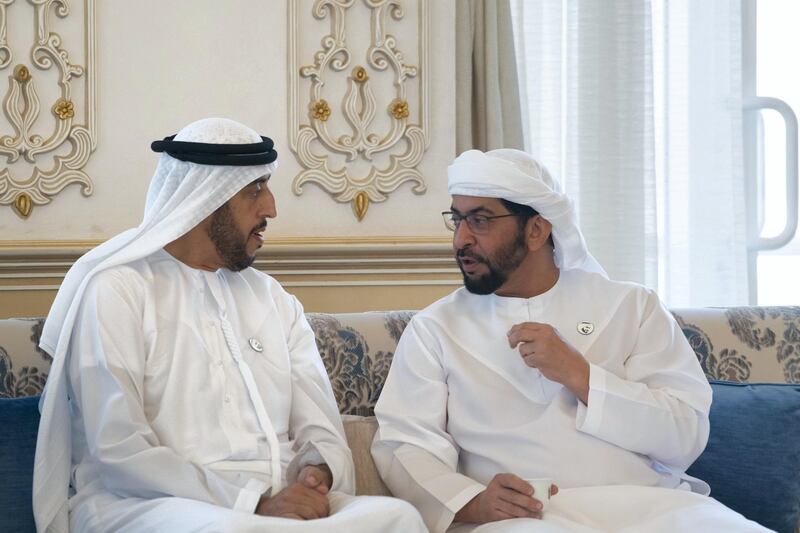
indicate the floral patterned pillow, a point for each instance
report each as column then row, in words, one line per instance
column 357, row 349
column 23, row 365
column 745, row 344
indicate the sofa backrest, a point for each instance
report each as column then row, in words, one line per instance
column 743, row 344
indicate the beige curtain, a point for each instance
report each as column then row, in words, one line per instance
column 488, row 113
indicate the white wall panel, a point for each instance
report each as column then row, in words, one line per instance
column 162, row 64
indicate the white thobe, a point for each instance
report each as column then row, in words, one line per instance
column 460, row 405
column 166, row 434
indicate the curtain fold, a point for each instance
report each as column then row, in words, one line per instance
column 488, row 114
column 636, row 107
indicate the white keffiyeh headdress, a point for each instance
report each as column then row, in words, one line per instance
column 515, row 176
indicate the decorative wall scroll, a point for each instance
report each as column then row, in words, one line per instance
column 391, row 154
column 29, row 142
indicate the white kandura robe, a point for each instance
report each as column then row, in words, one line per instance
column 165, row 434
column 460, row 406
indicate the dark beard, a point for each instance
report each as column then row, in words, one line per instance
column 228, row 240
column 506, row 260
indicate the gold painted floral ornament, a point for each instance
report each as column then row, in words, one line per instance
column 360, row 74
column 42, row 153
column 21, row 73
column 360, row 204
column 372, row 144
column 64, row 109
column 399, row 108
column 320, row 110
column 23, row 205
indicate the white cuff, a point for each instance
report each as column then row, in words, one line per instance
column 589, row 418
column 249, row 496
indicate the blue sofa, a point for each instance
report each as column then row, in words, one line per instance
column 751, row 356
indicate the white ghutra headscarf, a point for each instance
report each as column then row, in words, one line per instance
column 180, row 196
column 515, row 176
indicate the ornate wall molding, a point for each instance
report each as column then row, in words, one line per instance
column 21, row 107
column 327, row 274
column 366, row 261
column 312, row 117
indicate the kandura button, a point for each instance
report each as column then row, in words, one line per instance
column 255, row 344
column 585, row 328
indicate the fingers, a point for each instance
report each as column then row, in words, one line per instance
column 515, row 511
column 514, row 496
column 317, row 503
column 305, row 512
column 295, row 501
column 527, row 332
column 553, row 490
column 308, row 479
column 522, row 504
column 308, row 511
column 527, row 348
column 516, row 483
column 313, row 478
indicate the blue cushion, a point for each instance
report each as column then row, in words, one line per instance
column 752, row 460
column 19, row 422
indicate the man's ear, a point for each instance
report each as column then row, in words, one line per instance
column 537, row 232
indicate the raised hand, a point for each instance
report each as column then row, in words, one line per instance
column 542, row 347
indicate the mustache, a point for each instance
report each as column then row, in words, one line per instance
column 261, row 226
column 466, row 254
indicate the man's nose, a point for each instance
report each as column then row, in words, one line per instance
column 462, row 236
column 267, row 207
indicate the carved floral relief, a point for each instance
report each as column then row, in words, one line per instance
column 370, row 159
column 36, row 166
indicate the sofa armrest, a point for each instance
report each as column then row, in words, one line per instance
column 359, row 431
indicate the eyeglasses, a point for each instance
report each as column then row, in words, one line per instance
column 476, row 223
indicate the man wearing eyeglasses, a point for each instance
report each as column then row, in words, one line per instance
column 542, row 368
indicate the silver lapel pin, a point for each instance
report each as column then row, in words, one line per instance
column 255, row 344
column 585, row 328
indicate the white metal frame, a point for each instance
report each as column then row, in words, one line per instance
column 754, row 155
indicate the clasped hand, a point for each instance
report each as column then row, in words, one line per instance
column 305, row 499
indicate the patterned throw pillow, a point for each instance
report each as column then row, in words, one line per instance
column 357, row 350
column 746, row 344
column 23, row 365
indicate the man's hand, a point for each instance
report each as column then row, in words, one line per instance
column 296, row 501
column 317, row 477
column 542, row 347
column 506, row 496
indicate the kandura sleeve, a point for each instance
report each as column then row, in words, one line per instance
column 660, row 406
column 413, row 452
column 315, row 421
